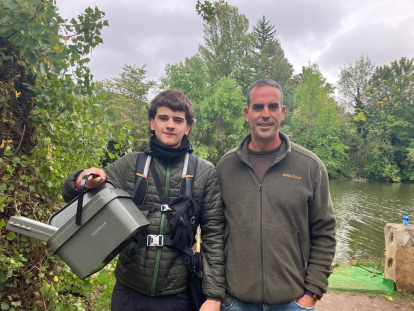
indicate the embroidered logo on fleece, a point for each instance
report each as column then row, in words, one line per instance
column 292, row 176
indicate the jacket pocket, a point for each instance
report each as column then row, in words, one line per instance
column 302, row 258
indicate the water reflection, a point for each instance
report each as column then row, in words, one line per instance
column 362, row 210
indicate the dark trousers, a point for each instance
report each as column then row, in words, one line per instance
column 127, row 299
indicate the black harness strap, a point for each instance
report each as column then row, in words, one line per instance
column 141, row 171
column 140, row 189
column 142, row 166
column 158, row 183
column 187, row 182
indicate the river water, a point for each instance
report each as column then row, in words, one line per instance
column 362, row 210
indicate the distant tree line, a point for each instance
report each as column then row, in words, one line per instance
column 361, row 127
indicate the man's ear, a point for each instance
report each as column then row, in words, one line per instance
column 151, row 123
column 246, row 113
column 283, row 113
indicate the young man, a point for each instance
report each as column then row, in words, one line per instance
column 155, row 278
column 277, row 203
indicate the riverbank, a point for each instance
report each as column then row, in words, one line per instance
column 351, row 288
column 359, row 288
column 358, row 302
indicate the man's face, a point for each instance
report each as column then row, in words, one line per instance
column 264, row 116
column 169, row 126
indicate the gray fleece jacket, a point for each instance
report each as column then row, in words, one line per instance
column 280, row 234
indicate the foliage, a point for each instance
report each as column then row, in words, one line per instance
column 189, row 76
column 354, row 82
column 311, row 97
column 373, row 263
column 205, row 9
column 125, row 101
column 44, row 72
column 100, row 299
column 387, row 125
column 227, row 46
column 368, row 134
column 264, row 32
column 316, row 122
column 220, row 125
column 131, row 84
column 269, row 61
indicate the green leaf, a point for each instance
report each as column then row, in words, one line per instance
column 2, row 223
column 32, row 43
column 10, row 4
column 31, row 58
column 16, row 160
column 21, row 63
column 11, row 236
column 16, row 303
column 5, row 306
column 43, row 68
column 8, row 151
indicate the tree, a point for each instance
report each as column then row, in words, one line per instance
column 264, row 33
column 205, row 9
column 311, row 96
column 189, row 76
column 131, row 84
column 388, row 125
column 354, row 81
column 330, row 141
column 227, row 46
column 125, row 99
column 220, row 122
column 43, row 73
column 316, row 122
column 269, row 61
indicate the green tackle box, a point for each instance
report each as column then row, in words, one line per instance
column 110, row 220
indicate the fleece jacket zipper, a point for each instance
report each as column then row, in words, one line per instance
column 162, row 224
column 261, row 243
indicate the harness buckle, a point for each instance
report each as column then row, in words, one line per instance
column 165, row 208
column 155, row 240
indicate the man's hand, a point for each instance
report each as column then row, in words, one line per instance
column 92, row 182
column 306, row 301
column 210, row 305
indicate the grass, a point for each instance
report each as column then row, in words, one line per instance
column 100, row 299
column 375, row 264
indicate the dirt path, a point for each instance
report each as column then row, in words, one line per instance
column 344, row 302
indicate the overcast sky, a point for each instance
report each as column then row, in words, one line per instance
column 330, row 33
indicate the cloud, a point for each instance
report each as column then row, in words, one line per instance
column 150, row 33
column 381, row 44
column 330, row 33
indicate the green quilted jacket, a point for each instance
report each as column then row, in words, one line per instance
column 172, row 275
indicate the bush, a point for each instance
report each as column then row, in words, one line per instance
column 50, row 124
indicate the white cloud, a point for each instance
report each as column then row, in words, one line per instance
column 330, row 33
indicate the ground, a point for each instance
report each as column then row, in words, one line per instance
column 345, row 302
